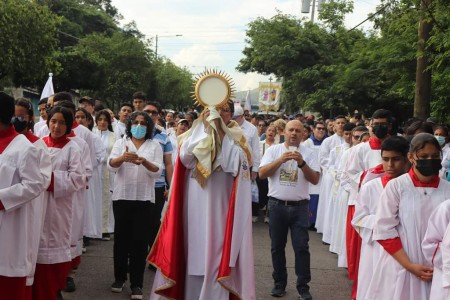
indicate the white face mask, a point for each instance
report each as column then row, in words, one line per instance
column 440, row 139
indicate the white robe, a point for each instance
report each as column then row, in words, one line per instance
column 205, row 221
column 327, row 181
column 93, row 224
column 363, row 221
column 108, row 140
column 38, row 207
column 79, row 202
column 331, row 204
column 437, row 225
column 403, row 211
column 21, row 182
column 445, row 249
column 68, row 175
column 341, row 207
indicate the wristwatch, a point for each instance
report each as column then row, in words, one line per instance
column 302, row 165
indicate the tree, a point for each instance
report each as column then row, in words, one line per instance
column 28, row 43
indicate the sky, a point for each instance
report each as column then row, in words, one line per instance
column 213, row 32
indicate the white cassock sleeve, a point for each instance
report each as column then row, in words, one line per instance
column 100, row 150
column 31, row 183
column 324, row 153
column 445, row 249
column 363, row 221
column 437, row 225
column 229, row 159
column 71, row 180
column 354, row 168
column 386, row 218
column 187, row 156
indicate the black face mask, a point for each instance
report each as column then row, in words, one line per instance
column 19, row 124
column 428, row 167
column 380, row 131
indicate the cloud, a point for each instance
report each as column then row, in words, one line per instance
column 213, row 31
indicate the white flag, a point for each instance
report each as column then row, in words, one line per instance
column 48, row 88
column 248, row 105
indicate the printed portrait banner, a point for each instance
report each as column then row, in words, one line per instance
column 269, row 96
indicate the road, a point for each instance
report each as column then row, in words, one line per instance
column 328, row 282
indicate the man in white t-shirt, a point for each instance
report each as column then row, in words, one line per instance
column 290, row 168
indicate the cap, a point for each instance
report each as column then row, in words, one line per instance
column 432, row 120
column 238, row 111
column 183, row 120
column 86, row 99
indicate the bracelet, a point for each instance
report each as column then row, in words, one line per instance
column 302, row 165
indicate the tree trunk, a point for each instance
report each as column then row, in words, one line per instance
column 422, row 97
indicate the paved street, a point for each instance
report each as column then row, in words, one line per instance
column 328, row 282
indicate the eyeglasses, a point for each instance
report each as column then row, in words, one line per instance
column 261, row 125
column 225, row 110
column 357, row 137
column 151, row 112
column 320, row 128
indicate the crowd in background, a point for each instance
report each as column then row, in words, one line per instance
column 97, row 172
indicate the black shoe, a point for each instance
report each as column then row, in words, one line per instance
column 117, row 286
column 60, row 297
column 86, row 241
column 106, row 237
column 277, row 292
column 305, row 295
column 70, row 285
column 136, row 293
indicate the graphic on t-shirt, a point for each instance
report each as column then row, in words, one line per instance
column 289, row 174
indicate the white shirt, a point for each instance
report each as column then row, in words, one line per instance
column 119, row 130
column 288, row 182
column 251, row 135
column 135, row 182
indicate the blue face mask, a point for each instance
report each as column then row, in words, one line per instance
column 440, row 139
column 138, row 131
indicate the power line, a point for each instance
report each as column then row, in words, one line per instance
column 371, row 16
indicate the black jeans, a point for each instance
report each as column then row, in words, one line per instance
column 263, row 190
column 156, row 217
column 131, row 237
column 281, row 219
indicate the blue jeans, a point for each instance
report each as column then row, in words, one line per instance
column 281, row 219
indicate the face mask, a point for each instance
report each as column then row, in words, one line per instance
column 428, row 167
column 380, row 131
column 440, row 139
column 138, row 131
column 19, row 124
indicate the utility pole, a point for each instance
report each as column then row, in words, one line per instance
column 422, row 96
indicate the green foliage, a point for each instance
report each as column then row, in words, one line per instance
column 81, row 42
column 29, row 39
column 331, row 70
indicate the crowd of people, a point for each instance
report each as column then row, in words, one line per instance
column 180, row 191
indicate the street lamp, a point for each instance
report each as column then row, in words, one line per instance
column 160, row 36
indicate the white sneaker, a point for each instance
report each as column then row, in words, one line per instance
column 266, row 220
column 254, row 219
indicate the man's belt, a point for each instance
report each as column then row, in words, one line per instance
column 289, row 203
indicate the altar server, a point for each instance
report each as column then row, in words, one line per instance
column 54, row 256
column 405, row 206
column 21, row 182
column 394, row 152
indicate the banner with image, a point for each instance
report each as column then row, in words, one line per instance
column 269, row 96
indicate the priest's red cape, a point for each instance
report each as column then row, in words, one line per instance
column 168, row 252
